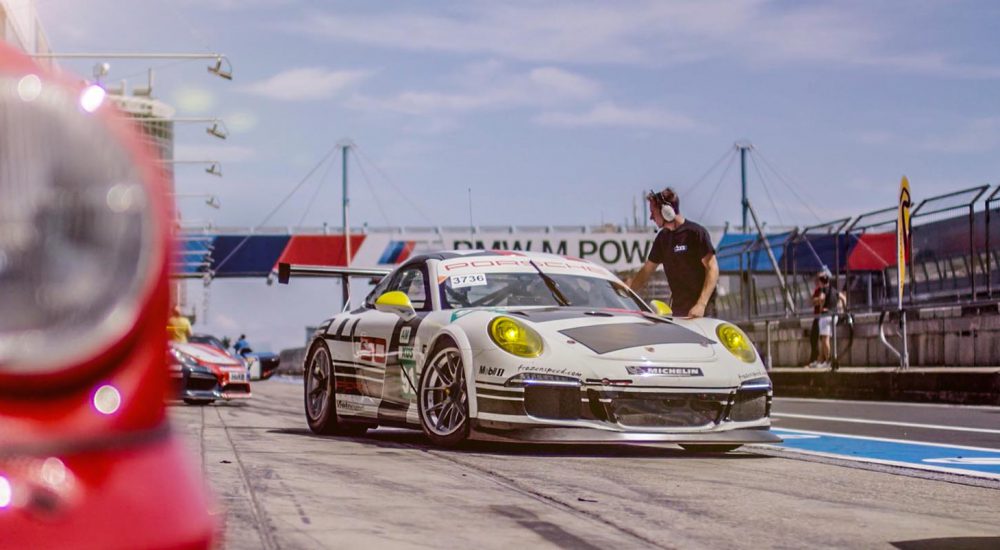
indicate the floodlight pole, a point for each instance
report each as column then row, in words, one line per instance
column 345, row 281
column 744, row 146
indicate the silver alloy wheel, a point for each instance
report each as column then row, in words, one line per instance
column 318, row 383
column 443, row 394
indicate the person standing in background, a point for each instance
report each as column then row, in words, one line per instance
column 178, row 326
column 685, row 249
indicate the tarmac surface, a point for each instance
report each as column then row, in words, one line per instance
column 280, row 486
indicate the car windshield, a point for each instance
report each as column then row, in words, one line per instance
column 208, row 340
column 530, row 289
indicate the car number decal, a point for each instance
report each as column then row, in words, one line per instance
column 461, row 281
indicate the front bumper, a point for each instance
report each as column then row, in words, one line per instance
column 591, row 435
column 600, row 412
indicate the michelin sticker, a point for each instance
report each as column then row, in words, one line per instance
column 461, row 281
column 664, row 371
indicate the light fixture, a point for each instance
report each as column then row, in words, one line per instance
column 214, row 130
column 214, row 166
column 210, row 200
column 218, row 70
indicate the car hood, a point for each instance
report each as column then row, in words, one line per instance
column 207, row 354
column 621, row 335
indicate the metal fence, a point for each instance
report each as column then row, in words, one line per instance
column 954, row 259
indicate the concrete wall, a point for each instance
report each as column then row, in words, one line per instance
column 938, row 337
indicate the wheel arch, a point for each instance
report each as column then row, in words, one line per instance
column 458, row 336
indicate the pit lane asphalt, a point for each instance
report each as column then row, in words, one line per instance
column 281, row 486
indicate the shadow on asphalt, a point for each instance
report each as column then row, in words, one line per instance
column 399, row 438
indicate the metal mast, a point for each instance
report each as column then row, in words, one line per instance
column 744, row 146
column 345, row 282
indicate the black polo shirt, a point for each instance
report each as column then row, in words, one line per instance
column 680, row 251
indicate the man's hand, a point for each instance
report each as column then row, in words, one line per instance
column 698, row 310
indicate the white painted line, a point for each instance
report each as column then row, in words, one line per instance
column 885, row 403
column 886, row 423
column 888, row 440
column 911, row 465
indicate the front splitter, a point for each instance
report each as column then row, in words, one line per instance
column 590, row 435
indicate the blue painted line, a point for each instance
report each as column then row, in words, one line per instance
column 956, row 459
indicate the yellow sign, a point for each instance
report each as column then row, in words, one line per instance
column 902, row 235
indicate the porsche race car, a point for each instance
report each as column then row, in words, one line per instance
column 201, row 373
column 260, row 365
column 532, row 347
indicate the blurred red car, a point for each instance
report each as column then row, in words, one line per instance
column 87, row 456
column 203, row 373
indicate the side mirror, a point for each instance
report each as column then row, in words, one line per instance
column 396, row 302
column 661, row 308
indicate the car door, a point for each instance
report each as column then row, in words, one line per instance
column 358, row 373
column 387, row 341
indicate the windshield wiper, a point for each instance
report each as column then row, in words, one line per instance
column 553, row 287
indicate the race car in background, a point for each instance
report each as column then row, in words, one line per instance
column 202, row 374
column 532, row 347
column 260, row 365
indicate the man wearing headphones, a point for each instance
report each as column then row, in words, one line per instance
column 688, row 257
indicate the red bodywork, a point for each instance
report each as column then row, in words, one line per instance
column 73, row 477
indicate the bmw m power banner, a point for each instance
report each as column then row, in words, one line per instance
column 902, row 235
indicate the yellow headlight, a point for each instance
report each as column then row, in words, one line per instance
column 514, row 337
column 736, row 342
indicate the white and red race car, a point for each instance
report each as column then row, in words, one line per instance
column 202, row 373
column 534, row 347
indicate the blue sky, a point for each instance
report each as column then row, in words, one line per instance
column 562, row 112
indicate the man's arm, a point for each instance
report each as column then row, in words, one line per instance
column 711, row 264
column 639, row 281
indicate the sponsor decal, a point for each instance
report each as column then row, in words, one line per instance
column 372, row 349
column 753, row 374
column 498, row 264
column 547, row 370
column 462, row 281
column 490, row 371
column 404, row 335
column 664, row 371
column 349, row 405
column 614, row 251
column 396, row 252
column 407, row 373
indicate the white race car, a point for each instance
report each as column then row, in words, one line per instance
column 532, row 347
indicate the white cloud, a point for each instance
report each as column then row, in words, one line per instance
column 607, row 114
column 488, row 86
column 651, row 32
column 192, row 100
column 305, row 84
column 235, row 5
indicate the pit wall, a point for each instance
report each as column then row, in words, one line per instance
column 938, row 337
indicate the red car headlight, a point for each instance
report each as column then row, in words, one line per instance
column 77, row 236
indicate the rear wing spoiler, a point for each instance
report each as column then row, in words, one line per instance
column 286, row 271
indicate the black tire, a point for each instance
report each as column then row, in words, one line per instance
column 320, row 395
column 199, row 401
column 710, row 448
column 443, row 397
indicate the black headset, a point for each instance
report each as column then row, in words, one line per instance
column 666, row 209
